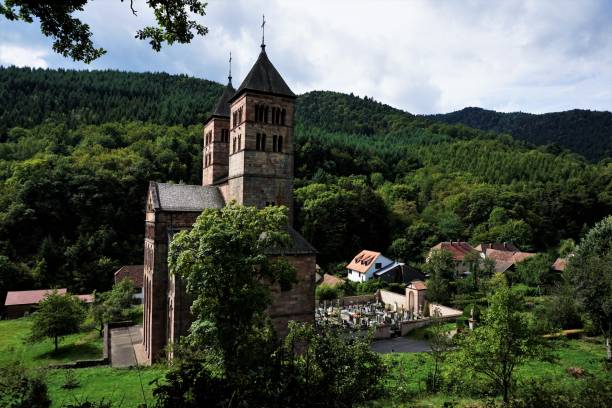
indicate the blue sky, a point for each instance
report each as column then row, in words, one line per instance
column 420, row 56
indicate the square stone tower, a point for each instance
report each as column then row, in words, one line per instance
column 215, row 154
column 261, row 139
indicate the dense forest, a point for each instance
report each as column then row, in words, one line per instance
column 582, row 131
column 78, row 150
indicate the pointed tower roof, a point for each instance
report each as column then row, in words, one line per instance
column 264, row 78
column 222, row 108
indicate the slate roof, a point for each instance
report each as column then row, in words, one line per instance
column 264, row 78
column 133, row 272
column 185, row 197
column 361, row 263
column 222, row 108
column 298, row 245
column 29, row 297
column 458, row 249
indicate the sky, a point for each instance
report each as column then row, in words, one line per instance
column 420, row 56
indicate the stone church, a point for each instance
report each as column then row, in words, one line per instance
column 247, row 158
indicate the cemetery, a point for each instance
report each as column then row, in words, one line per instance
column 387, row 314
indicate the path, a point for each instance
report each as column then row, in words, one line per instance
column 400, row 345
column 125, row 344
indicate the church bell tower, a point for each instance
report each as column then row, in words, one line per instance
column 261, row 139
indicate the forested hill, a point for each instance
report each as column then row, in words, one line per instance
column 28, row 97
column 586, row 132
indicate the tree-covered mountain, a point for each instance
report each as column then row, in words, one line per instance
column 586, row 132
column 29, row 96
column 75, row 165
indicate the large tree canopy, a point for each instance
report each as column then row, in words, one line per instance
column 223, row 262
column 73, row 38
column 591, row 268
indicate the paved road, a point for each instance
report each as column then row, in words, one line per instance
column 400, row 345
column 123, row 340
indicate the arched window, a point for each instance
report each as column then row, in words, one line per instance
column 274, row 137
column 234, row 145
column 263, row 142
column 258, row 142
column 239, row 142
column 283, row 112
column 278, row 116
column 265, row 120
column 279, row 145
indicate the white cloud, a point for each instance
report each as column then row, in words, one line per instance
column 22, row 56
column 421, row 56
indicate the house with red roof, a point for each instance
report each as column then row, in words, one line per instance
column 459, row 251
column 369, row 264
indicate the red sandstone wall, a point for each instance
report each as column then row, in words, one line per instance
column 298, row 303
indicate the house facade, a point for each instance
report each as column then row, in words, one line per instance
column 368, row 265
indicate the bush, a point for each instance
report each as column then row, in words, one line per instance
column 523, row 290
column 536, row 393
column 326, row 292
column 20, row 388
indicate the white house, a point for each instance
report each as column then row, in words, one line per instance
column 369, row 264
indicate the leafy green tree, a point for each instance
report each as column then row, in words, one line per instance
column 112, row 305
column 72, row 37
column 223, row 262
column 504, row 341
column 57, row 316
column 441, row 269
column 535, row 271
column 591, row 268
column 566, row 247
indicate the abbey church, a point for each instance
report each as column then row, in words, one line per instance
column 247, row 158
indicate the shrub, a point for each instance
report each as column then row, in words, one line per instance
column 523, row 290
column 20, row 388
column 326, row 292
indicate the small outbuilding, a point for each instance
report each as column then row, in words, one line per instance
column 22, row 302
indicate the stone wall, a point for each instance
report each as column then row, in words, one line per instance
column 298, row 303
column 158, row 319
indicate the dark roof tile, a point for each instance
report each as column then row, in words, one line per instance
column 263, row 77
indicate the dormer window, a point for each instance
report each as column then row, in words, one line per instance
column 378, row 265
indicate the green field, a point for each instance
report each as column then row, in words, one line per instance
column 408, row 373
column 124, row 387
column 13, row 346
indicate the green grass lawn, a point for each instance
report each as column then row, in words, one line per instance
column 121, row 386
column 13, row 346
column 408, row 373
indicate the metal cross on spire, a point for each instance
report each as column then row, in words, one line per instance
column 263, row 28
column 230, row 68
